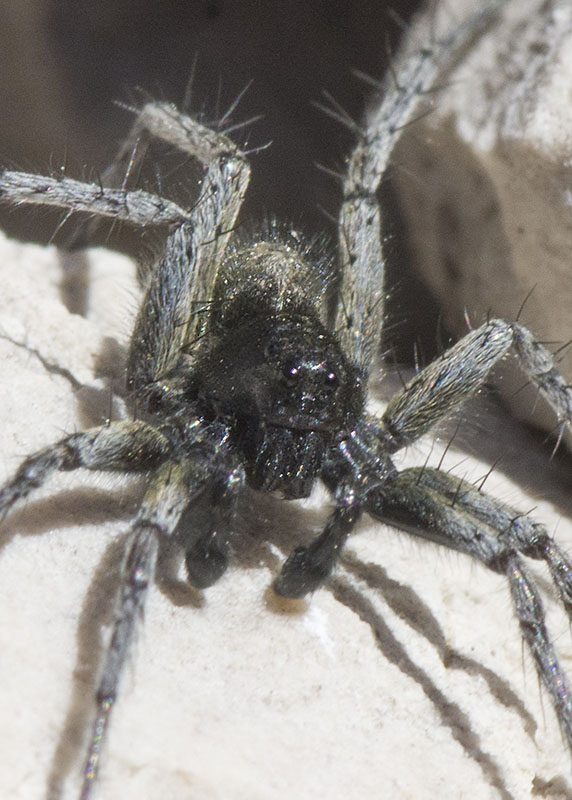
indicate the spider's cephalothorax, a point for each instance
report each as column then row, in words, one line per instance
column 270, row 369
column 239, row 377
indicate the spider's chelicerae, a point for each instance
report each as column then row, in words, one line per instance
column 241, row 379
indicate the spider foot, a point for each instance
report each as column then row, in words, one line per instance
column 304, row 571
column 205, row 564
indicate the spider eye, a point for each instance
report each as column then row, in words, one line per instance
column 331, row 380
column 291, row 373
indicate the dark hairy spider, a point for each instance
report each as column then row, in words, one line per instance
column 241, row 378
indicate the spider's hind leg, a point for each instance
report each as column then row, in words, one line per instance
column 166, row 497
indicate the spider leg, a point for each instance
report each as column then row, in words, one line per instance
column 169, row 319
column 207, row 559
column 136, row 207
column 306, row 568
column 360, row 310
column 449, row 380
column 350, row 472
column 122, row 446
column 163, row 121
column 438, row 507
column 167, row 496
column 527, row 535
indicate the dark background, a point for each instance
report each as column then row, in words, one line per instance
column 64, row 63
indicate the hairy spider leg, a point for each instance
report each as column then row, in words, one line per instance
column 437, row 506
column 168, row 319
column 410, row 83
column 461, row 370
column 167, row 323
column 119, row 446
column 429, row 396
column 182, row 282
column 170, row 490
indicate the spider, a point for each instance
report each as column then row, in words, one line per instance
column 241, row 379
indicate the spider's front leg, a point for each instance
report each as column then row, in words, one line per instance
column 460, row 371
column 351, row 471
column 435, row 505
column 180, row 287
column 171, row 316
column 121, row 446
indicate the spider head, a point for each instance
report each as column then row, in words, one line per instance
column 286, row 390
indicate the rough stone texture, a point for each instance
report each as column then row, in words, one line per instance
column 486, row 189
column 228, row 694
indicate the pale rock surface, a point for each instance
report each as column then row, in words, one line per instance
column 413, row 687
column 486, row 184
